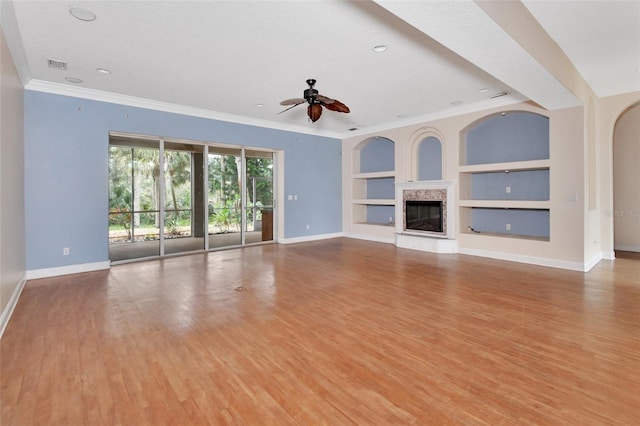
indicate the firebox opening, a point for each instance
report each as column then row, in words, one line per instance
column 423, row 215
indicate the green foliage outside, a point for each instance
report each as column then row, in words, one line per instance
column 134, row 187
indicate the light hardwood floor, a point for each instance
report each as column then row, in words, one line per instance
column 332, row 332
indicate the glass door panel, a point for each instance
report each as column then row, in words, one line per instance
column 133, row 198
column 183, row 201
column 224, row 209
column 259, row 210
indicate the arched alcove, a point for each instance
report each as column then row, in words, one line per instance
column 505, row 137
column 424, row 156
column 375, row 154
column 626, row 180
column 374, row 182
column 504, row 176
column 430, row 159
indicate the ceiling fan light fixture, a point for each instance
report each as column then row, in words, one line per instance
column 379, row 48
column 316, row 102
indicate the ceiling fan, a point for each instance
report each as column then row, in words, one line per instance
column 316, row 101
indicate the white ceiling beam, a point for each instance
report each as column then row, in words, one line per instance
column 467, row 30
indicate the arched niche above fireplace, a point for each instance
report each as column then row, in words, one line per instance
column 424, row 155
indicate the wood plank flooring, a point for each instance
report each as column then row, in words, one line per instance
column 331, row 332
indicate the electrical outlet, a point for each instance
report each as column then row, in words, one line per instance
column 65, row 251
column 508, row 189
column 308, row 227
column 508, row 227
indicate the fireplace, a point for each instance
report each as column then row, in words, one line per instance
column 425, row 210
column 423, row 215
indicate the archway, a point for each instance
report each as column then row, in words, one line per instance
column 626, row 183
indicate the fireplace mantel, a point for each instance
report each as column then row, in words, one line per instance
column 439, row 190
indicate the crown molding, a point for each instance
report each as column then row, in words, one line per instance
column 115, row 98
column 511, row 99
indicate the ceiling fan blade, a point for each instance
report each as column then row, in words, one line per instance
column 336, row 105
column 324, row 99
column 292, row 106
column 314, row 111
column 296, row 101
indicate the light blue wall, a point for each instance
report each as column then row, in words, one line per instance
column 517, row 136
column 525, row 185
column 381, row 214
column 380, row 189
column 378, row 155
column 66, row 151
column 430, row 159
column 530, row 223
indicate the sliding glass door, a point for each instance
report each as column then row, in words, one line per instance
column 259, row 196
column 134, row 196
column 184, row 221
column 212, row 197
column 225, row 203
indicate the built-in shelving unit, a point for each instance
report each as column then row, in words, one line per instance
column 373, row 180
column 510, row 197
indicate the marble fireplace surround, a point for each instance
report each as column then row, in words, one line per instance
column 433, row 190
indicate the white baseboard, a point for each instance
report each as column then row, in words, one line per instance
column 309, row 238
column 391, row 240
column 608, row 255
column 623, row 247
column 593, row 262
column 541, row 261
column 5, row 316
column 35, row 274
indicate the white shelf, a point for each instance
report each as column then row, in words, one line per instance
column 384, row 225
column 506, row 204
column 375, row 175
column 505, row 235
column 510, row 166
column 375, row 201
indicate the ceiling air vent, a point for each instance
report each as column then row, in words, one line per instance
column 59, row 65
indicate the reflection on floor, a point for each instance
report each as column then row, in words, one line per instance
column 138, row 250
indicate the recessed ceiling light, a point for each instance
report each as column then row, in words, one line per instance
column 259, row 105
column 456, row 103
column 82, row 14
column 103, row 71
column 379, row 48
column 484, row 89
column 73, row 80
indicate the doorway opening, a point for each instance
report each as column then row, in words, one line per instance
column 169, row 197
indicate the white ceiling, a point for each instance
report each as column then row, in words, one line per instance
column 222, row 58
